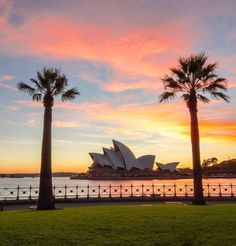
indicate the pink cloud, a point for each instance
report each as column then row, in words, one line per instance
column 66, row 124
column 28, row 103
column 3, row 82
column 119, row 86
column 6, row 77
column 2, row 23
column 131, row 50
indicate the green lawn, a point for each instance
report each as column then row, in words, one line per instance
column 121, row 225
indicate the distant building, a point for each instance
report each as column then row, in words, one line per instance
column 120, row 157
column 171, row 167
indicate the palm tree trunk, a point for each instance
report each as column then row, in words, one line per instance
column 197, row 169
column 46, row 200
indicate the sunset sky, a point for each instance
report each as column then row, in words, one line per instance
column 115, row 52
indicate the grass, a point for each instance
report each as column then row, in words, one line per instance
column 121, row 225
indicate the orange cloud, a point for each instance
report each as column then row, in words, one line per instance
column 161, row 129
column 170, row 120
column 224, row 130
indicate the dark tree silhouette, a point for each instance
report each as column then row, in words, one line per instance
column 194, row 78
column 49, row 83
column 210, row 162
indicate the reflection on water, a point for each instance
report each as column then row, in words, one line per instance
column 59, row 181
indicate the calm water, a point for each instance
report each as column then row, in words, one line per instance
column 26, row 182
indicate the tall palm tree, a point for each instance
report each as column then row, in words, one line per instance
column 48, row 84
column 194, row 78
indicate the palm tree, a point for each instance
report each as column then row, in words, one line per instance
column 49, row 83
column 194, row 78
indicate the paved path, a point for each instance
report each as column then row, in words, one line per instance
column 71, row 205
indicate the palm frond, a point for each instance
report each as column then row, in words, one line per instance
column 220, row 95
column 207, row 72
column 196, row 63
column 37, row 84
column 171, row 83
column 183, row 64
column 42, row 79
column 199, row 58
column 207, row 77
column 25, row 88
column 52, row 74
column 165, row 96
column 48, row 77
column 70, row 94
column 218, row 84
column 194, row 75
column 185, row 96
column 60, row 83
column 37, row 97
column 178, row 72
column 210, row 68
column 202, row 98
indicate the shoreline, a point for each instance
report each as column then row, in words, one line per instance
column 149, row 178
column 78, row 177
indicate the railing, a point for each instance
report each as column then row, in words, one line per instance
column 122, row 191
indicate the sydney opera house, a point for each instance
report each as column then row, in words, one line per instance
column 119, row 160
column 171, row 167
column 121, row 157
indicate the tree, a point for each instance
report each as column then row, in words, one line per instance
column 48, row 84
column 210, row 162
column 193, row 78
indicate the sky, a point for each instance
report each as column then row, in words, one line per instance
column 115, row 52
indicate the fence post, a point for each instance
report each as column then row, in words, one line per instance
column 175, row 190
column 88, row 191
column 76, row 191
column 30, row 188
column 153, row 191
column 65, row 191
column 54, row 191
column 99, row 195
column 109, row 190
column 186, row 190
column 231, row 189
column 220, row 190
column 164, row 190
column 142, row 190
column 121, row 191
column 18, row 192
column 131, row 190
column 208, row 190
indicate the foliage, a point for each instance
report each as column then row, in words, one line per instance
column 210, row 162
column 126, row 225
column 193, row 78
column 224, row 165
column 48, row 83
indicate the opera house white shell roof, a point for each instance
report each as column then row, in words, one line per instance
column 168, row 166
column 120, row 156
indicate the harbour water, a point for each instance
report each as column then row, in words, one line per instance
column 62, row 181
